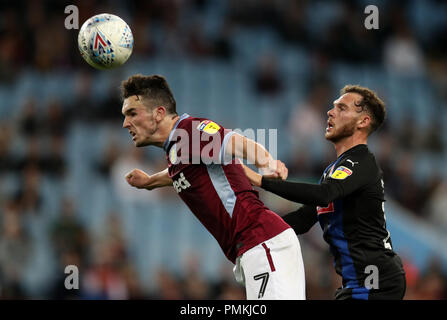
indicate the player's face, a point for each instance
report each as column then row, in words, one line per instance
column 139, row 120
column 343, row 117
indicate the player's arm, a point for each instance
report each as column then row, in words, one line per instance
column 306, row 193
column 254, row 177
column 242, row 147
column 141, row 180
column 323, row 194
column 302, row 220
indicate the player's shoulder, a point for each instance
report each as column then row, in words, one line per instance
column 357, row 162
column 359, row 157
column 202, row 125
column 190, row 123
column 205, row 125
column 183, row 121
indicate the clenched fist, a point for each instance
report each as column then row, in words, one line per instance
column 281, row 170
column 138, row 179
column 276, row 169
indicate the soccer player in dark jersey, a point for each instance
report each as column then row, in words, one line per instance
column 349, row 201
column 204, row 168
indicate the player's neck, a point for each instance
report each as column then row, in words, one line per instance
column 348, row 143
column 165, row 129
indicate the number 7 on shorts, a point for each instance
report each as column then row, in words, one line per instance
column 265, row 278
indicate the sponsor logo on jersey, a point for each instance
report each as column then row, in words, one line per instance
column 181, row 183
column 208, row 126
column 328, row 209
column 341, row 173
column 353, row 163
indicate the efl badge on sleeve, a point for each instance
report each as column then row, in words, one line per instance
column 341, row 173
column 208, row 126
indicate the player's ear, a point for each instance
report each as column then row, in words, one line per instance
column 364, row 121
column 159, row 113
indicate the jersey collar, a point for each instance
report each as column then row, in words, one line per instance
column 358, row 146
column 166, row 143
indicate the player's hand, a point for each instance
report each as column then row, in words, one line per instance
column 277, row 170
column 139, row 179
column 282, row 170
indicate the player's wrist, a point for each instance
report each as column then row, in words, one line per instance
column 264, row 182
column 150, row 182
column 261, row 182
column 257, row 180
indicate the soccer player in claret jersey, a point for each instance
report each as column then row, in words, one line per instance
column 204, row 169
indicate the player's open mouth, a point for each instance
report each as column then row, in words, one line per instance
column 329, row 126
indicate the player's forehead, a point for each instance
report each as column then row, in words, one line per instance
column 349, row 99
column 132, row 102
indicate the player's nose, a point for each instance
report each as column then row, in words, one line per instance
column 330, row 112
column 126, row 123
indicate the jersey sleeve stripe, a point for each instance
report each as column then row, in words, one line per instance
column 224, row 159
column 222, row 187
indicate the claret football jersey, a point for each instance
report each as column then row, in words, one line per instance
column 215, row 187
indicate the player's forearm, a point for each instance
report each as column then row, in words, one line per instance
column 159, row 179
column 305, row 193
column 257, row 154
column 255, row 178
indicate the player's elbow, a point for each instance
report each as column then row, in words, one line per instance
column 235, row 147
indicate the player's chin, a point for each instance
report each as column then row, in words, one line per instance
column 140, row 143
column 330, row 136
column 136, row 142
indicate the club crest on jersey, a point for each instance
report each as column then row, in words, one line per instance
column 208, row 126
column 341, row 173
column 173, row 154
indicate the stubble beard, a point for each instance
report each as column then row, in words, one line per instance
column 344, row 132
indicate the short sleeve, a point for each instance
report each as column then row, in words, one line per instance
column 208, row 142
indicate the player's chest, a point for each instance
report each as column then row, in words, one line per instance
column 190, row 179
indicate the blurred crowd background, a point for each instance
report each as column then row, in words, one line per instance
column 268, row 64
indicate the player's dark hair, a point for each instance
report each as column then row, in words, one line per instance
column 370, row 102
column 154, row 88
